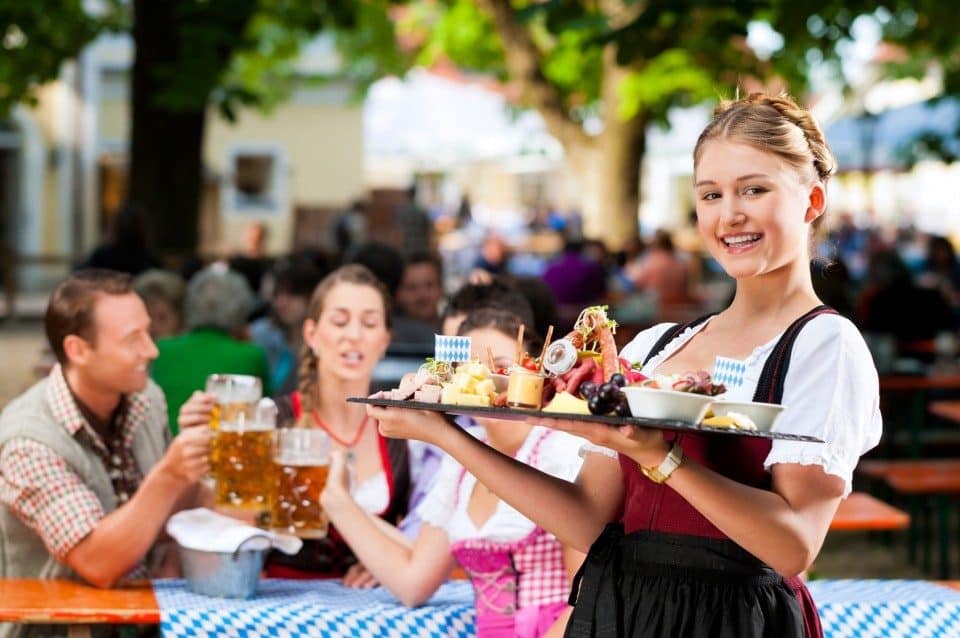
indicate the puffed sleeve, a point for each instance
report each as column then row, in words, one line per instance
column 439, row 503
column 831, row 392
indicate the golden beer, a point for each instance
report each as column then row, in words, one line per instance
column 295, row 499
column 234, row 412
column 241, row 461
column 300, row 468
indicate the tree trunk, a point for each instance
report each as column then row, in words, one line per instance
column 165, row 145
column 609, row 168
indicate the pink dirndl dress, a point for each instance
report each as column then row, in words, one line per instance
column 521, row 586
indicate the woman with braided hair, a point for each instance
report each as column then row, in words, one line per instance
column 700, row 535
column 346, row 333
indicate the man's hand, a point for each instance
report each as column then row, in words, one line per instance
column 188, row 458
column 196, row 410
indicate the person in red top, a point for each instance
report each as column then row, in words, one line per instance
column 700, row 535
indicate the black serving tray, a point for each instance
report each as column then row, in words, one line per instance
column 517, row 414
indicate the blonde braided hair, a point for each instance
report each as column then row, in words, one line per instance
column 309, row 361
column 774, row 124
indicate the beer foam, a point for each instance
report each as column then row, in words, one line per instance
column 246, row 426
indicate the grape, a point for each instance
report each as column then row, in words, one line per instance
column 607, row 392
column 622, row 407
column 595, row 405
column 588, row 389
column 618, row 380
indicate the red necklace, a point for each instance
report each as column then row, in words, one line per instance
column 347, row 444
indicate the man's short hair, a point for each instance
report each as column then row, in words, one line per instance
column 497, row 294
column 71, row 305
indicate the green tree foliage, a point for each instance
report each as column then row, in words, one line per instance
column 36, row 37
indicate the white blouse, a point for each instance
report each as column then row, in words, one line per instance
column 373, row 494
column 445, row 505
column 831, row 392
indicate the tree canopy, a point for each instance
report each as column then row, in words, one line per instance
column 598, row 71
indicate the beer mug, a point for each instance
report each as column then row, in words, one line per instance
column 237, row 396
column 240, row 456
column 301, row 463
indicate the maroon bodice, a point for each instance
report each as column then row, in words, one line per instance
column 657, row 507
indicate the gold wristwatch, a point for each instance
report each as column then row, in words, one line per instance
column 662, row 472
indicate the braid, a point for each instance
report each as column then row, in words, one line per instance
column 307, row 386
column 773, row 123
column 823, row 161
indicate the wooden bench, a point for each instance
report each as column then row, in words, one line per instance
column 939, row 481
column 77, row 605
column 862, row 512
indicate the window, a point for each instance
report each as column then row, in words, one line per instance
column 255, row 181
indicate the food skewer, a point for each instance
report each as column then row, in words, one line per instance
column 490, row 359
column 543, row 351
column 519, row 345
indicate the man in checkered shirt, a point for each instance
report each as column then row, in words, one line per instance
column 88, row 474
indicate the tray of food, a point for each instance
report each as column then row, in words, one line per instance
column 580, row 377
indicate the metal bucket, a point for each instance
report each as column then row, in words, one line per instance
column 223, row 574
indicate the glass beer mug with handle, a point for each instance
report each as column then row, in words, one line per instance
column 241, row 454
column 301, row 463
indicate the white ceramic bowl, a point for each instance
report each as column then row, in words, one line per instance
column 651, row 403
column 764, row 415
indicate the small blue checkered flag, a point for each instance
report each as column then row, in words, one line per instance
column 729, row 372
column 452, row 349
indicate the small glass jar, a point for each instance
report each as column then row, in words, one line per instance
column 524, row 389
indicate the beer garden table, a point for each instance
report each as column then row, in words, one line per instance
column 848, row 608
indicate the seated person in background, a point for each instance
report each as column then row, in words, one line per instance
column 470, row 299
column 279, row 334
column 218, row 302
column 409, row 336
column 521, row 574
column 421, row 289
column 575, row 279
column 494, row 255
column 662, row 270
column 88, row 474
column 891, row 303
column 127, row 245
column 251, row 260
column 162, row 293
column 345, row 334
column 541, row 302
column 496, row 294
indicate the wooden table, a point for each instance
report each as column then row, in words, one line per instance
column 862, row 512
column 80, row 606
column 918, row 387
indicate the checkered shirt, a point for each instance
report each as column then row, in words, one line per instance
column 44, row 492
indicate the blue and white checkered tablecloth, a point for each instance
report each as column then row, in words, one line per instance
column 289, row 608
column 327, row 609
column 886, row 609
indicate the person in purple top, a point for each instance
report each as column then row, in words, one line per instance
column 574, row 279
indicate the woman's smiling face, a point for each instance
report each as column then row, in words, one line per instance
column 753, row 208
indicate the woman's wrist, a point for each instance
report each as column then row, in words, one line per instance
column 653, row 455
